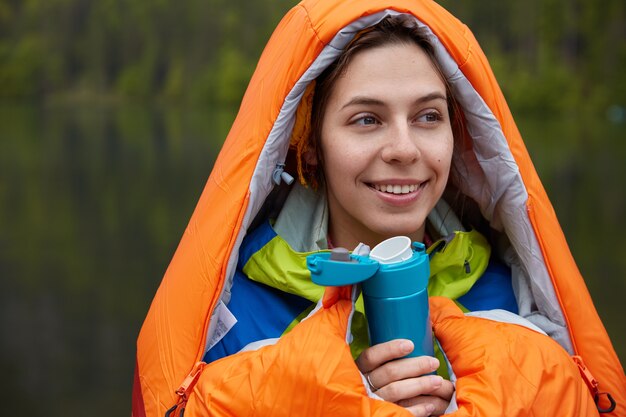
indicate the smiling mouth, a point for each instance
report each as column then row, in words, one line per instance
column 397, row 189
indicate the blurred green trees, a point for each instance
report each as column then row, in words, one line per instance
column 552, row 56
column 196, row 51
column 549, row 55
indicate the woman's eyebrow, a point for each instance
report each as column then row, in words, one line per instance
column 431, row 97
column 364, row 100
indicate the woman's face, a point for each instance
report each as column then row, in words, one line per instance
column 386, row 141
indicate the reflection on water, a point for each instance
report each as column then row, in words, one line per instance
column 94, row 200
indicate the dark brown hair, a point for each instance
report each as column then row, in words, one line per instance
column 400, row 29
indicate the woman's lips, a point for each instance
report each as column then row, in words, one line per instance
column 396, row 188
column 398, row 194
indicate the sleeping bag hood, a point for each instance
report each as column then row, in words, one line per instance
column 501, row 179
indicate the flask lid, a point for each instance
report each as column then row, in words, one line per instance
column 393, row 250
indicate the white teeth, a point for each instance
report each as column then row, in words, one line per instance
column 397, row 189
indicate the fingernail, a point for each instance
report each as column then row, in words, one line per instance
column 406, row 346
column 437, row 381
column 429, row 408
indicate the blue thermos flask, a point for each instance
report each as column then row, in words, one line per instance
column 394, row 281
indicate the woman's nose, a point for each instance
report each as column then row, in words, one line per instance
column 400, row 146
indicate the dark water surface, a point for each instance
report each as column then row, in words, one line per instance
column 94, row 199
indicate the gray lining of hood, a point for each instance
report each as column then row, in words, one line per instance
column 496, row 183
column 304, row 210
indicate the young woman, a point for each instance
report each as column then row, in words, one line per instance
column 388, row 107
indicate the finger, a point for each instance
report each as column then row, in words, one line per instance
column 409, row 388
column 445, row 391
column 425, row 405
column 405, row 368
column 421, row 410
column 374, row 356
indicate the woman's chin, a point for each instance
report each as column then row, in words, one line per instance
column 416, row 234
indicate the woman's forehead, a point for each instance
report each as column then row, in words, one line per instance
column 381, row 72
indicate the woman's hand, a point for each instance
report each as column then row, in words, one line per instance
column 404, row 381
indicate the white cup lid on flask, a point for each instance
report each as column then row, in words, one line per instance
column 392, row 250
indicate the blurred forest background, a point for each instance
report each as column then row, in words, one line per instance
column 113, row 111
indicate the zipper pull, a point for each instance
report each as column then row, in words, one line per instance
column 589, row 379
column 594, row 386
column 185, row 389
column 190, row 380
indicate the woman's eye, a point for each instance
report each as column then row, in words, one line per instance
column 430, row 117
column 366, row 121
